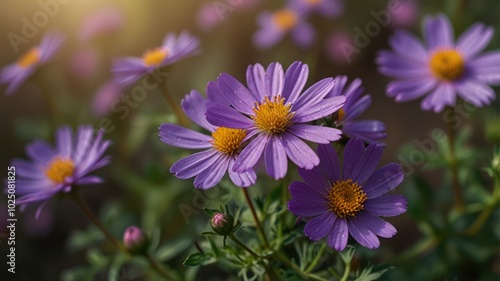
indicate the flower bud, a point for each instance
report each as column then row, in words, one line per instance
column 222, row 224
column 134, row 239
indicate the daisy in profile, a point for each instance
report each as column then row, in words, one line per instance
column 275, row 25
column 275, row 113
column 442, row 69
column 128, row 70
column 357, row 101
column 222, row 147
column 348, row 199
column 57, row 169
column 16, row 73
column 327, row 8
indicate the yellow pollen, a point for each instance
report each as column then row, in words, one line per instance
column 285, row 19
column 227, row 141
column 30, row 58
column 312, row 2
column 272, row 116
column 59, row 168
column 154, row 57
column 340, row 115
column 447, row 64
column 346, row 198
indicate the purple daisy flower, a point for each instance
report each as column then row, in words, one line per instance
column 222, row 147
column 274, row 112
column 348, row 200
column 55, row 169
column 274, row 26
column 370, row 131
column 327, row 8
column 443, row 68
column 15, row 74
column 128, row 70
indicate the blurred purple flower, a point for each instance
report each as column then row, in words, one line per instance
column 274, row 112
column 222, row 147
column 133, row 237
column 15, row 74
column 57, row 169
column 370, row 131
column 101, row 22
column 407, row 14
column 213, row 13
column 104, row 98
column 274, row 26
column 348, row 200
column 443, row 68
column 328, row 8
column 338, row 46
column 128, row 70
column 84, row 63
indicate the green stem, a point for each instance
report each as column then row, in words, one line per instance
column 346, row 272
column 486, row 213
column 181, row 118
column 457, row 190
column 316, row 259
column 237, row 241
column 92, row 218
column 158, row 268
column 256, row 218
column 304, row 275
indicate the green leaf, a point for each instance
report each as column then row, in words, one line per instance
column 172, row 248
column 195, row 259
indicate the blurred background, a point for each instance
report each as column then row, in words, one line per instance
column 138, row 185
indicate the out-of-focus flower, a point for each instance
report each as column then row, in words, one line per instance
column 222, row 224
column 104, row 98
column 105, row 21
column 84, row 63
column 222, row 148
column 213, row 13
column 328, row 8
column 127, row 70
column 443, row 68
column 134, row 239
column 406, row 15
column 15, row 74
column 348, row 200
column 338, row 47
column 58, row 169
column 274, row 26
column 370, row 131
column 274, row 113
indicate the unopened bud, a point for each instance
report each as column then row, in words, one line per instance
column 222, row 224
column 134, row 239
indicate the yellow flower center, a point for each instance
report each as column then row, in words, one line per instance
column 226, row 140
column 285, row 19
column 30, row 58
column 312, row 2
column 272, row 116
column 59, row 168
column 447, row 64
column 346, row 198
column 340, row 115
column 154, row 57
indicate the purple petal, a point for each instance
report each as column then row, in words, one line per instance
column 369, row 131
column 376, row 225
column 316, row 179
column 388, row 205
column 337, row 239
column 329, row 162
column 299, row 152
column 475, row 92
column 353, row 152
column 267, row 37
column 475, row 39
column 438, row 31
column 83, row 143
column 486, row 68
column 237, row 94
column 275, row 158
column 320, row 226
column 128, row 70
column 211, row 176
column 406, row 90
column 303, row 35
column 250, row 154
column 319, row 110
column 383, row 180
column 408, row 46
column 354, row 109
column 274, row 80
column 295, row 80
column 444, row 95
column 50, row 44
column 194, row 164
column 256, row 81
column 195, row 106
column 317, row 134
column 314, row 94
column 312, row 190
column 398, row 67
column 64, row 141
column 224, row 116
column 15, row 76
column 40, row 152
column 215, row 96
column 89, row 180
column 26, row 169
column 362, row 234
column 338, row 87
column 182, row 137
column 367, row 163
column 244, row 179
